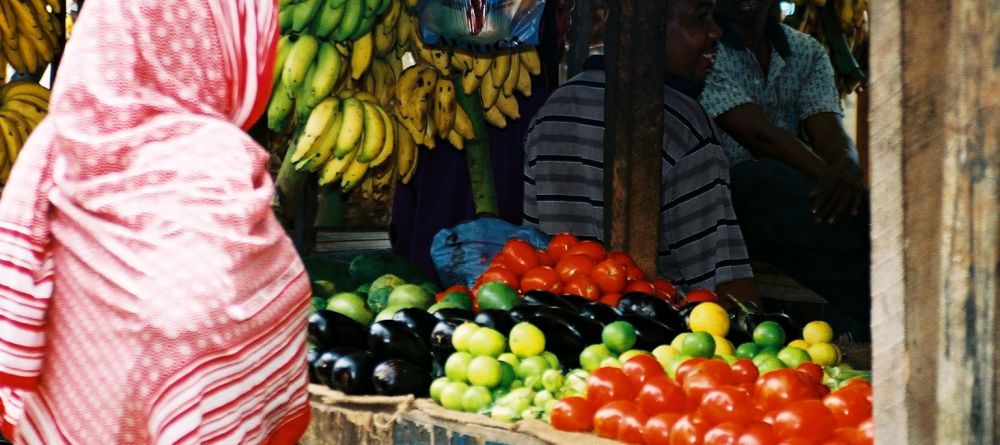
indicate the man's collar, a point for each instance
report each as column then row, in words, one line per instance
column 772, row 29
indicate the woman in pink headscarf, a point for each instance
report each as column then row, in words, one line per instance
column 147, row 293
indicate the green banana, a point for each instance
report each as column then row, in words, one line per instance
column 382, row 7
column 296, row 66
column 304, row 99
column 285, row 19
column 278, row 109
column 284, row 47
column 367, row 19
column 327, row 21
column 329, row 67
column 336, row 3
column 353, row 12
column 304, row 14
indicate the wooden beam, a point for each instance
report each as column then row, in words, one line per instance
column 935, row 137
column 634, row 48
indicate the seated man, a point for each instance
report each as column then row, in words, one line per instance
column 801, row 205
column 700, row 241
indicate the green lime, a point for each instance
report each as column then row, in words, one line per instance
column 552, row 380
column 437, row 386
column 698, row 344
column 410, row 295
column 618, row 336
column 461, row 338
column 792, row 357
column 747, row 350
column 534, row 365
column 769, row 333
column 729, row 359
column 762, row 356
column 458, row 299
column 593, row 355
column 484, row 371
column 542, row 397
column 533, row 381
column 443, row 305
column 351, row 305
column 507, row 375
column 509, row 358
column 665, row 353
column 387, row 281
column 769, row 364
column 499, row 392
column 552, row 359
column 678, row 341
column 487, row 341
column 451, row 395
column 456, row 368
column 525, row 339
column 496, row 295
column 323, row 288
column 675, row 363
column 504, row 414
column 476, row 398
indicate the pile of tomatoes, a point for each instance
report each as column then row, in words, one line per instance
column 572, row 266
column 713, row 403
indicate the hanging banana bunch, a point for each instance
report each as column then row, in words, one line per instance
column 842, row 27
column 30, row 34
column 23, row 105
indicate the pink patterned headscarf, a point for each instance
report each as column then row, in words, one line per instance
column 143, row 182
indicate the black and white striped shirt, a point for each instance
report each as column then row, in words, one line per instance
column 700, row 242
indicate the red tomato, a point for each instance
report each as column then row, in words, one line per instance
column 805, row 419
column 633, row 273
column 559, row 244
column 700, row 295
column 590, row 248
column 500, row 261
column 867, row 429
column 640, row 286
column 657, row 429
column 572, row 413
column 544, row 258
column 724, row 434
column 706, row 376
column 850, row 436
column 686, row 367
column 660, row 394
column 456, row 288
column 609, row 276
column 572, row 265
column 850, row 408
column 758, row 433
column 727, row 404
column 811, row 370
column 665, row 289
column 796, row 441
column 744, row 371
column 835, row 441
column 541, row 278
column 608, row 384
column 690, row 429
column 860, row 385
column 641, row 368
column 500, row 274
column 583, row 286
column 608, row 417
column 621, row 258
column 778, row 388
column 520, row 256
column 611, row 299
column 630, row 427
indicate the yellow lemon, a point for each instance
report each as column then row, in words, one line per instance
column 709, row 317
column 723, row 346
column 824, row 354
column 817, row 332
column 801, row 344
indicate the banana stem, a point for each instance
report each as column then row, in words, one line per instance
column 477, row 153
column 288, row 185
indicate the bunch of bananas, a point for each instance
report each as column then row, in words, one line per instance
column 29, row 34
column 23, row 105
column 842, row 26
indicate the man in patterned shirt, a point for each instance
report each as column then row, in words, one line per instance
column 795, row 176
column 700, row 242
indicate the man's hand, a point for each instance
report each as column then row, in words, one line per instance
column 839, row 190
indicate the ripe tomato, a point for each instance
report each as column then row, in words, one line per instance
column 609, row 416
column 590, row 248
column 705, row 376
column 850, row 408
column 700, row 295
column 659, row 395
column 640, row 286
column 559, row 244
column 572, row 413
column 806, row 419
column 544, row 258
column 665, row 289
column 779, row 388
column 744, row 371
column 633, row 272
column 583, row 286
column 541, row 278
column 500, row 261
column 608, row 384
column 621, row 258
column 867, row 429
column 456, row 288
column 657, row 429
column 690, row 429
column 611, row 299
column 630, row 427
column 572, row 265
column 811, row 370
column 727, row 404
column 686, row 367
column 641, row 368
column 501, row 274
column 851, row 436
column 609, row 276
column 724, row 434
column 520, row 256
column 758, row 433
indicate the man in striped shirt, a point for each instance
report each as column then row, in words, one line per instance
column 700, row 241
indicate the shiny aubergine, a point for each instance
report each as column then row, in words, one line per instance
column 311, row 355
column 352, row 373
column 328, row 329
column 497, row 319
column 398, row 377
column 545, row 298
column 649, row 333
column 390, row 339
column 638, row 303
column 418, row 320
column 560, row 339
column 521, row 312
column 454, row 312
column 322, row 365
column 744, row 318
column 575, row 300
column 441, row 336
column 600, row 313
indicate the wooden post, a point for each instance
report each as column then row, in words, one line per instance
column 634, row 48
column 579, row 37
column 935, row 137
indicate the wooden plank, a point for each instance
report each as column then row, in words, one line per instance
column 935, row 138
column 634, row 47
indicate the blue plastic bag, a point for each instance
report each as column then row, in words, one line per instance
column 462, row 253
column 480, row 25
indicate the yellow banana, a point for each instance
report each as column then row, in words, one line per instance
column 26, row 48
column 373, row 138
column 22, row 89
column 415, row 98
column 463, row 125
column 54, row 4
column 405, row 151
column 284, row 47
column 515, row 72
column 523, row 81
column 412, row 168
column 481, row 65
column 27, row 24
column 461, row 61
column 324, row 146
column 423, row 52
column 390, row 138
column 529, row 58
column 334, row 168
column 361, row 55
column 30, row 112
column 353, row 174
column 363, row 96
column 488, row 91
column 501, row 68
column 384, row 41
column 12, row 139
column 456, row 140
column 300, row 59
column 319, row 120
column 508, row 106
column 441, row 61
column 470, row 82
column 352, row 127
column 494, row 117
column 403, row 31
column 444, row 106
